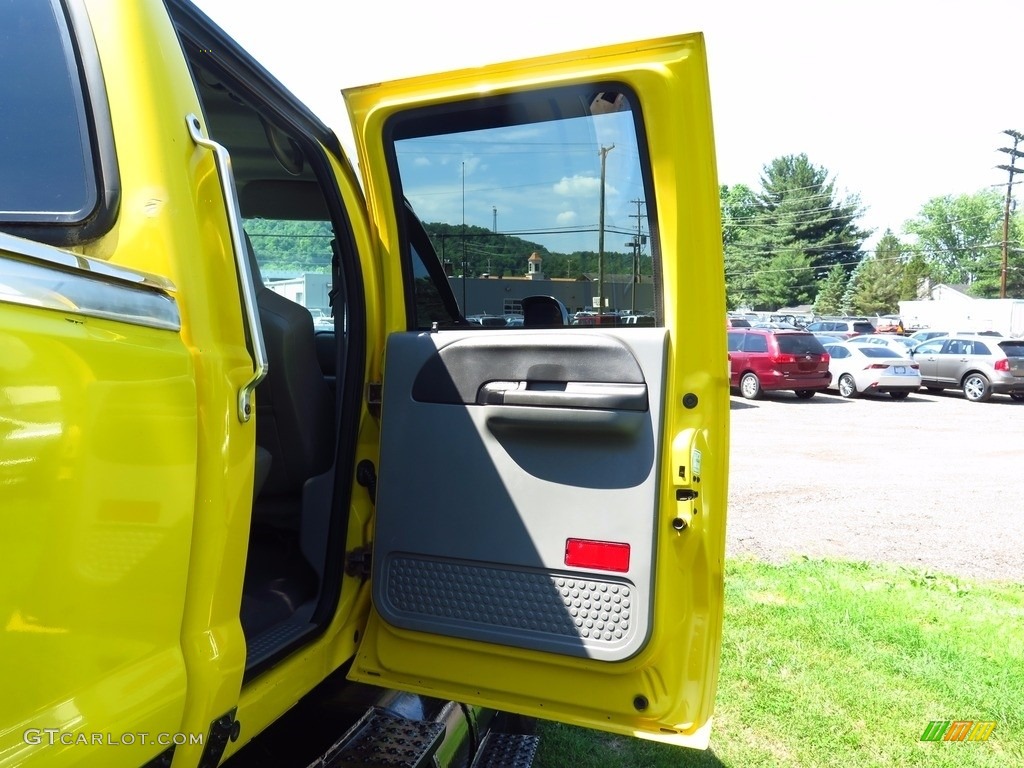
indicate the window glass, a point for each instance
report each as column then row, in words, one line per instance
column 735, row 341
column 45, row 152
column 294, row 259
column 878, row 352
column 755, row 342
column 799, row 344
column 538, row 194
column 1013, row 348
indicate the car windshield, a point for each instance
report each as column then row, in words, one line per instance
column 1012, row 348
column 877, row 352
column 863, row 328
column 800, row 344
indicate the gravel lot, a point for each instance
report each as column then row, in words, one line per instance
column 934, row 481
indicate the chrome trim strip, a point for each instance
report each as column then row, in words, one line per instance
column 37, row 275
column 245, row 278
column 62, row 258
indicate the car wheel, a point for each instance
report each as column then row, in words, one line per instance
column 976, row 388
column 804, row 394
column 898, row 395
column 750, row 386
column 847, row 387
column 1017, row 396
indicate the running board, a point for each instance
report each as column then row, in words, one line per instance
column 506, row 750
column 382, row 739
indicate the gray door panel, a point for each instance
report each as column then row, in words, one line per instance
column 517, row 490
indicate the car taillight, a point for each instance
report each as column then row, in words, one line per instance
column 825, row 357
column 782, row 358
column 1002, row 365
column 915, row 366
column 876, row 366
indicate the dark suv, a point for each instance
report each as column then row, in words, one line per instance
column 766, row 359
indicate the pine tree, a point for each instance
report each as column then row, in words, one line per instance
column 831, row 291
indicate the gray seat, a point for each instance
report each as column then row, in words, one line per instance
column 294, row 406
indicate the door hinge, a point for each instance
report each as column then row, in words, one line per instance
column 225, row 728
column 366, row 476
column 374, row 398
column 358, row 561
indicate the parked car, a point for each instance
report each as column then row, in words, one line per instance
column 765, row 359
column 844, row 328
column 933, row 333
column 888, row 324
column 737, row 322
column 899, row 344
column 979, row 365
column 928, row 333
column 828, row 338
column 872, row 368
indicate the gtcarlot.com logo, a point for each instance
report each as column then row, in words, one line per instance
column 53, row 736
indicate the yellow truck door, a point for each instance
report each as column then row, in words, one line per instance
column 97, row 465
column 549, row 533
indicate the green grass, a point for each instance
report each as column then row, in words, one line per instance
column 833, row 663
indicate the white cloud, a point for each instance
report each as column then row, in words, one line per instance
column 566, row 218
column 577, row 186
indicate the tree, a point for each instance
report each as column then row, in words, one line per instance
column 874, row 287
column 960, row 237
column 781, row 240
column 798, row 208
column 787, row 280
column 738, row 216
column 831, row 291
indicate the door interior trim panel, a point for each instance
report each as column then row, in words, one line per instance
column 478, row 500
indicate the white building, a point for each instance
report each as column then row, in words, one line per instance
column 949, row 307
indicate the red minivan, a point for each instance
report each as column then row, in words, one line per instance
column 766, row 359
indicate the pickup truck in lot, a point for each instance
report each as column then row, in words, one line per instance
column 216, row 515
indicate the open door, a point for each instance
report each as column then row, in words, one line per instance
column 549, row 534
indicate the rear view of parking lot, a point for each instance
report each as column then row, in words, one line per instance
column 935, row 482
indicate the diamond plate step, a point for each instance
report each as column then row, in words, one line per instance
column 506, row 750
column 381, row 739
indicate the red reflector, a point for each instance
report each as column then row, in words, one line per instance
column 600, row 555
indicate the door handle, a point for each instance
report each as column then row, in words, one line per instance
column 581, row 395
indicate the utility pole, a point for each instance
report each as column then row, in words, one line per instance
column 600, row 238
column 639, row 239
column 1012, row 169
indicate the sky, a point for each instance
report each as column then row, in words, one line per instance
column 899, row 100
